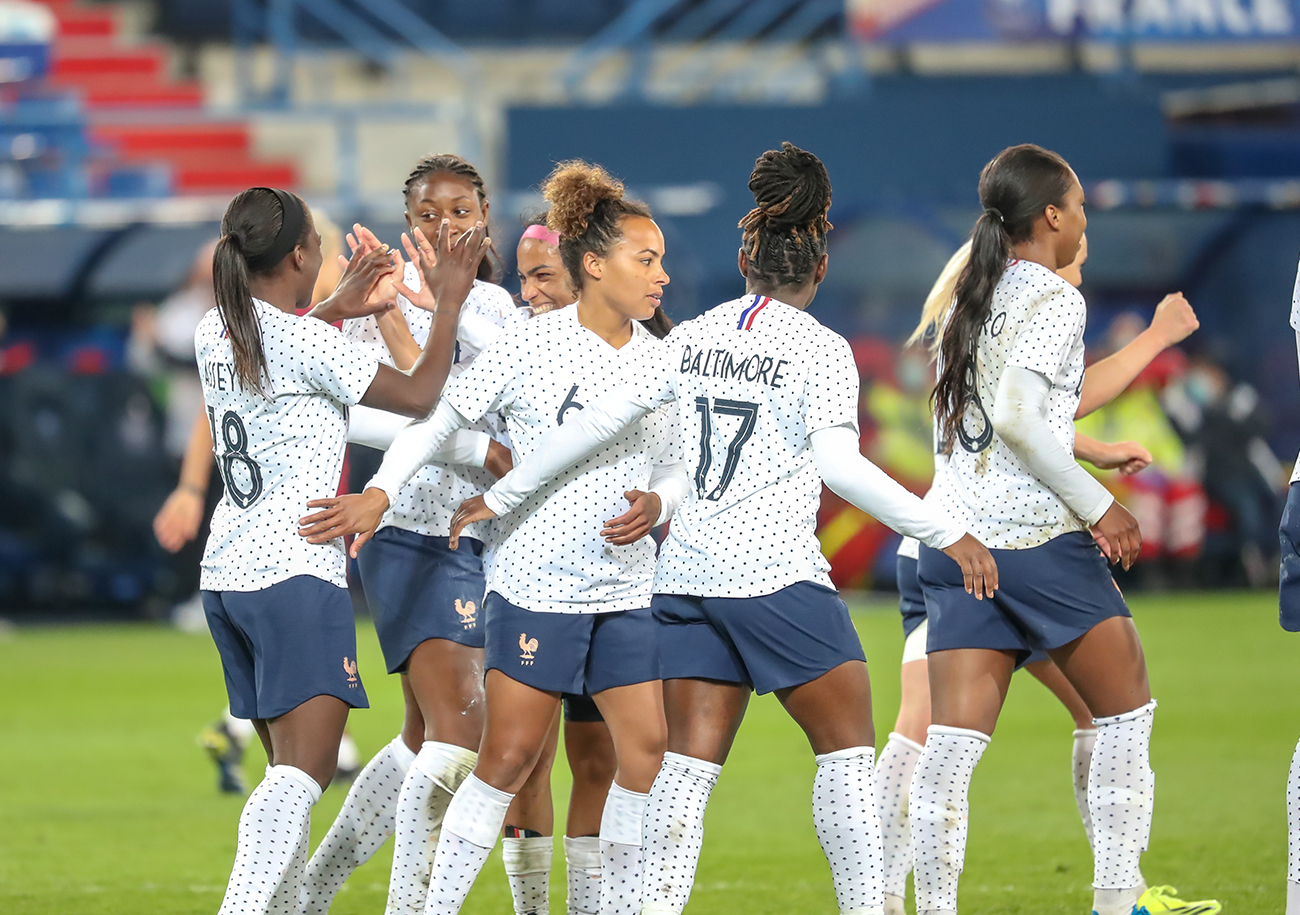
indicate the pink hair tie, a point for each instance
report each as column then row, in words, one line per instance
column 541, row 233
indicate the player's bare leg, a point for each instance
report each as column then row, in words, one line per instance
column 519, row 719
column 639, row 732
column 894, row 768
column 590, row 751
column 443, row 684
column 527, row 844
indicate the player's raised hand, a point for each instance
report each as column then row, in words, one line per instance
column 352, row 297
column 1118, row 535
column 1174, row 320
column 425, row 258
column 383, row 295
column 354, row 513
column 450, row 278
column 470, row 510
column 978, row 570
column 636, row 522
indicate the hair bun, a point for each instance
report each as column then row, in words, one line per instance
column 791, row 186
column 574, row 189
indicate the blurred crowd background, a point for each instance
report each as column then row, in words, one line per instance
column 125, row 128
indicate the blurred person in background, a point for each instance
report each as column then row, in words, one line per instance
column 1225, row 428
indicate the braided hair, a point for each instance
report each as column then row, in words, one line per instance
column 489, row 269
column 588, row 207
column 784, row 235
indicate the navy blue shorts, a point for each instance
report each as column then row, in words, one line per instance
column 1047, row 597
column 581, row 708
column 420, row 590
column 570, row 652
column 771, row 642
column 911, row 599
column 911, row 603
column 1288, row 591
column 285, row 644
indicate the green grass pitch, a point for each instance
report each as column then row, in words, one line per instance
column 108, row 806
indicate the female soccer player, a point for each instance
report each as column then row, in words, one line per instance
column 544, row 285
column 1011, row 375
column 742, row 594
column 426, row 599
column 568, row 601
column 1174, row 321
column 277, row 389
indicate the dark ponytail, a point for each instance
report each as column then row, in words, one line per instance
column 784, row 235
column 587, row 212
column 253, row 241
column 1015, row 188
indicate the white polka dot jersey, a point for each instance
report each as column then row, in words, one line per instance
column 427, row 503
column 1036, row 322
column 278, row 450
column 550, row 556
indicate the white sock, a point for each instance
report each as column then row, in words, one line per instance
column 1080, row 762
column 528, row 867
column 435, row 774
column 290, row 895
column 469, row 832
column 582, row 860
column 939, row 813
column 1120, row 795
column 848, row 827
column 674, row 831
column 365, row 823
column 271, row 828
column 1293, row 835
column 621, row 851
column 893, row 780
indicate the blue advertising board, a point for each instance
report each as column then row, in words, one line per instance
column 898, row 21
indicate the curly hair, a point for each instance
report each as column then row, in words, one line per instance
column 588, row 207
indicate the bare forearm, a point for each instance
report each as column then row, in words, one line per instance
column 1105, row 380
column 1089, row 449
column 196, row 465
column 397, row 337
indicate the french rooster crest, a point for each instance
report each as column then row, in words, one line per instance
column 350, row 668
column 529, row 646
column 468, row 612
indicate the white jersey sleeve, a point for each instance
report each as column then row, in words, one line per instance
column 832, row 389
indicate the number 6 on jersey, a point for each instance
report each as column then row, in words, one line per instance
column 748, row 413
